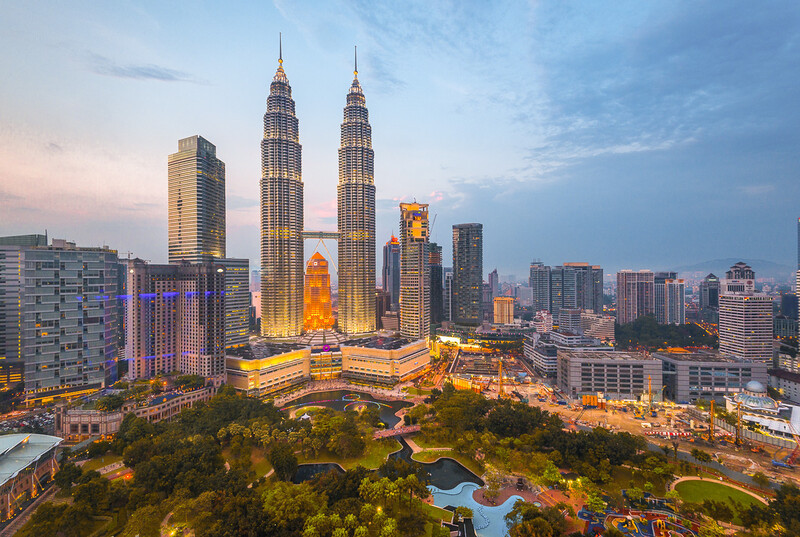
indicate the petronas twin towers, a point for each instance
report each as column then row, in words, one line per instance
column 282, row 258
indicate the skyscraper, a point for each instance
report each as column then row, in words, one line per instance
column 282, row 279
column 356, row 216
column 196, row 211
column 237, row 301
column 494, row 283
column 539, row 282
column 468, row 273
column 414, row 283
column 709, row 292
column 435, row 278
column 447, row 293
column 391, row 271
column 318, row 312
column 745, row 317
column 659, row 294
column 634, row 295
column 675, row 301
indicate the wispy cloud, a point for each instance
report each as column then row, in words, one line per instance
column 107, row 67
column 755, row 190
column 234, row 202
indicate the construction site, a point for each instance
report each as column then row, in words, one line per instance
column 486, row 373
column 683, row 426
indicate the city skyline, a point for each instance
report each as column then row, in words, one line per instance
column 647, row 107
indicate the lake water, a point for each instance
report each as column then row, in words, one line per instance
column 488, row 521
column 349, row 400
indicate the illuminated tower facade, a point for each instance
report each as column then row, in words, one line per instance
column 196, row 217
column 319, row 314
column 356, row 217
column 415, row 306
column 468, row 273
column 281, row 214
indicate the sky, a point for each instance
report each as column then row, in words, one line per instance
column 626, row 134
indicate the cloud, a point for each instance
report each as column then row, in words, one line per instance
column 105, row 66
column 234, row 202
column 754, row 190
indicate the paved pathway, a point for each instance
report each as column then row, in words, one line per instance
column 722, row 482
column 415, row 448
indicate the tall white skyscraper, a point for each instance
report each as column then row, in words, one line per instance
column 745, row 317
column 282, row 263
column 356, row 216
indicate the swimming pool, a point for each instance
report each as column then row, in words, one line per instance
column 488, row 521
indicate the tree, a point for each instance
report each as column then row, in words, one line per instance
column 711, row 529
column 761, row 480
column 635, row 494
column 700, row 455
column 67, row 475
column 462, row 512
column 493, row 483
column 283, row 461
column 595, row 502
column 289, row 505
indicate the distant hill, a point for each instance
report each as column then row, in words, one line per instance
column 763, row 268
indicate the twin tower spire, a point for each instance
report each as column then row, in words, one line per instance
column 282, row 256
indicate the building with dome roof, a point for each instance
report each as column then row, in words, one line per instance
column 771, row 417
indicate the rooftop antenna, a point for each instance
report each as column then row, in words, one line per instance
column 280, row 49
column 355, row 69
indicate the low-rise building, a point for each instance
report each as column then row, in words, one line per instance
column 503, row 310
column 787, row 383
column 264, row 368
column 27, row 463
column 76, row 424
column 706, row 374
column 598, row 326
column 541, row 350
column 617, row 375
column 763, row 413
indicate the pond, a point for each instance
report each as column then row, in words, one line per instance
column 446, row 473
column 488, row 521
column 349, row 400
column 306, row 472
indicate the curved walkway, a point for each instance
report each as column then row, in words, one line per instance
column 415, row 448
column 724, row 483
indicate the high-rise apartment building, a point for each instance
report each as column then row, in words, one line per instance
column 634, row 295
column 237, row 301
column 494, row 283
column 659, row 294
column 709, row 292
column 447, row 293
column 414, row 273
column 675, row 301
column 282, row 278
column 196, row 211
column 391, row 271
column 356, row 216
column 59, row 316
column 745, row 326
column 503, row 309
column 468, row 273
column 318, row 306
column 435, row 279
column 175, row 319
column 745, row 317
column 539, row 282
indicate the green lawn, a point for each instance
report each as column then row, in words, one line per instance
column 416, row 391
column 376, row 453
column 99, row 462
column 431, row 456
column 697, row 491
column 438, row 513
column 424, row 442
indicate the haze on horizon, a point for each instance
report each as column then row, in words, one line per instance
column 628, row 135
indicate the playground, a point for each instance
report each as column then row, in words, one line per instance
column 634, row 524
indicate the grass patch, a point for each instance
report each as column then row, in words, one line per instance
column 697, row 491
column 437, row 512
column 431, row 456
column 621, row 478
column 99, row 462
column 261, row 465
column 374, row 455
column 416, row 391
column 425, row 442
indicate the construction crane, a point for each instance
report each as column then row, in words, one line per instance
column 711, row 423
column 738, row 423
column 500, row 379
